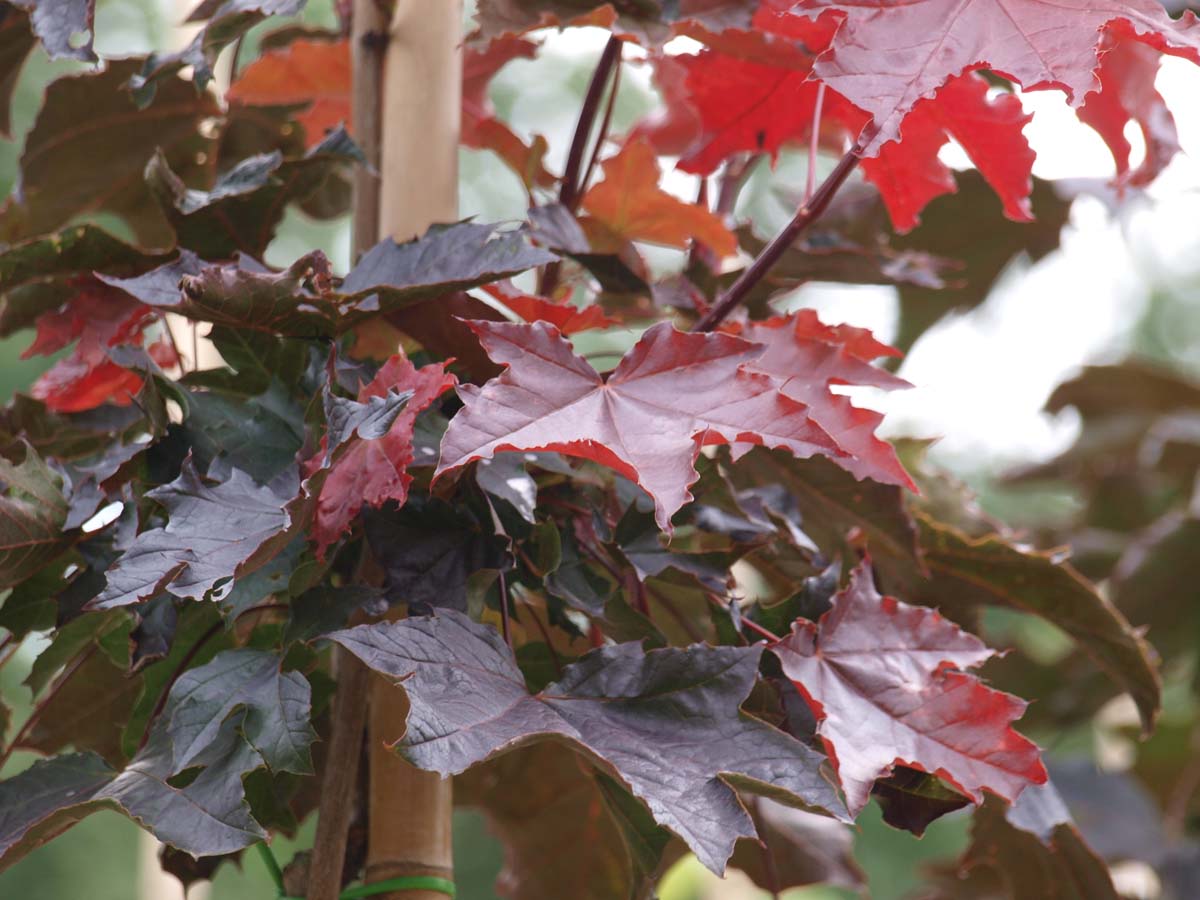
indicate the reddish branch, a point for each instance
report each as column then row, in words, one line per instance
column 572, row 185
column 771, row 254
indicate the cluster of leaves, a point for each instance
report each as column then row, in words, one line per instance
column 682, row 603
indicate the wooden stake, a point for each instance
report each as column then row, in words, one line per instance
column 410, row 810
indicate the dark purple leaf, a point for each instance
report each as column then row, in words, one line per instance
column 469, row 702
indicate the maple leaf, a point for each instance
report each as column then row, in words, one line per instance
column 671, row 394
column 1127, row 94
column 565, row 316
column 311, row 72
column 98, row 317
column 909, row 173
column 630, row 202
column 612, row 703
column 810, row 358
column 481, row 128
column 372, row 472
column 58, row 22
column 901, row 700
column 32, row 512
column 650, row 22
column 729, row 104
column 886, row 57
column 213, row 533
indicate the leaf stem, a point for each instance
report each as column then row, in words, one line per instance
column 747, row 624
column 808, row 213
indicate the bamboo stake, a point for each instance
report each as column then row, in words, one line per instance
column 410, row 810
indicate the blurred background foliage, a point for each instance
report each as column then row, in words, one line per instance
column 1124, row 284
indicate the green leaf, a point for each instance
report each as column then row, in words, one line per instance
column 29, row 268
column 33, row 511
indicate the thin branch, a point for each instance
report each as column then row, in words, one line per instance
column 814, row 145
column 571, row 187
column 338, row 795
column 805, row 216
column 505, row 625
column 602, row 134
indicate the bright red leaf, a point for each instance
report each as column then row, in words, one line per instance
column 1127, row 94
column 909, row 174
column 98, row 317
column 316, row 73
column 671, row 394
column 724, row 105
column 630, row 203
column 809, row 358
column 883, row 679
column 374, row 472
column 565, row 316
column 887, row 56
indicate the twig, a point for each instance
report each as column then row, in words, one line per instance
column 341, row 774
column 602, row 134
column 568, row 194
column 805, row 216
column 571, row 188
column 505, row 628
column 814, row 144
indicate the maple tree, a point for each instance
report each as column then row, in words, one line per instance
column 686, row 602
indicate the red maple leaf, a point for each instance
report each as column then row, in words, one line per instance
column 1127, row 94
column 565, row 316
column 901, row 699
column 888, row 56
column 671, row 394
column 98, row 317
column 630, row 203
column 372, row 472
column 809, row 358
column 316, row 73
column 480, row 127
column 725, row 105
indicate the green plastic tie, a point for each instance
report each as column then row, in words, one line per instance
column 408, row 883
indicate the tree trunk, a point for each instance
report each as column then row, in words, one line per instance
column 410, row 810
